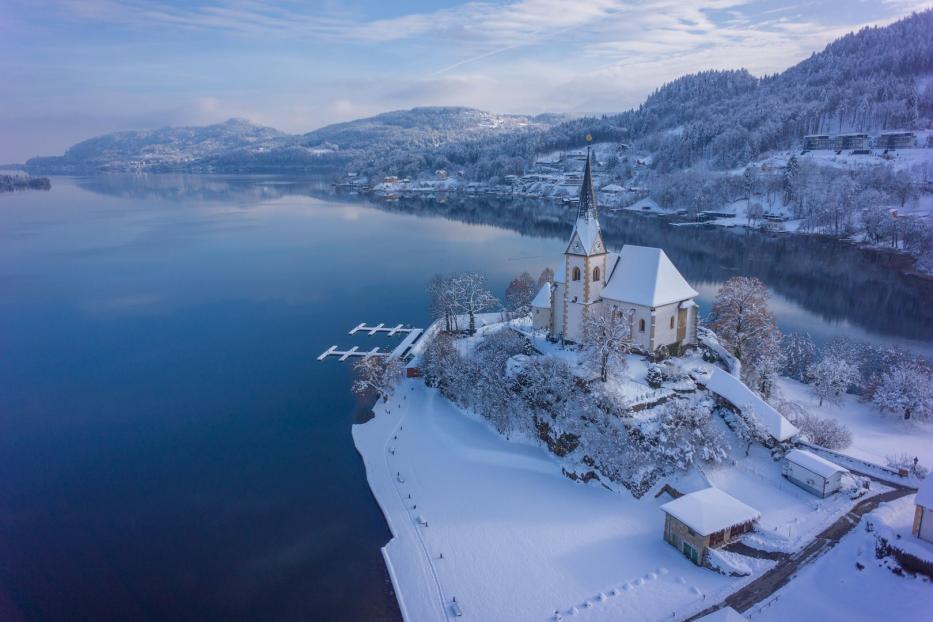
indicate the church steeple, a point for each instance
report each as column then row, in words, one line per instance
column 587, row 207
column 586, row 238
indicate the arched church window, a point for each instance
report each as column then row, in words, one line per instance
column 672, row 321
column 641, row 326
column 575, row 274
column 596, row 274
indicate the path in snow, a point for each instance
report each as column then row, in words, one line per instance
column 776, row 578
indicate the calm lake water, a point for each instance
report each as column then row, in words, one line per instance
column 171, row 449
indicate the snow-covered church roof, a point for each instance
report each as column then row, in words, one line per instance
column 543, row 299
column 645, row 276
column 710, row 510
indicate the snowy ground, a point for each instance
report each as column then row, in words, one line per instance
column 875, row 435
column 834, row 588
column 518, row 539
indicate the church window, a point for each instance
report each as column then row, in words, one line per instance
column 672, row 321
column 576, row 274
column 641, row 326
column 596, row 274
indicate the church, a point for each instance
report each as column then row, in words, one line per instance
column 639, row 278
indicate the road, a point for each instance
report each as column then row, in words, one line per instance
column 776, row 578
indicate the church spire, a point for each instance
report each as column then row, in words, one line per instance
column 587, row 207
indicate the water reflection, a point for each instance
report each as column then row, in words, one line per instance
column 832, row 281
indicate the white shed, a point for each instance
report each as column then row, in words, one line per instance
column 923, row 518
column 812, row 473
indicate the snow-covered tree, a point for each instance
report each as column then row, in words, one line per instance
column 654, row 377
column 740, row 315
column 546, row 276
column 472, row 296
column 519, row 294
column 607, row 337
column 799, row 354
column 377, row 374
column 830, row 377
column 748, row 428
column 440, row 361
column 906, row 390
column 686, row 435
column 764, row 360
column 828, row 433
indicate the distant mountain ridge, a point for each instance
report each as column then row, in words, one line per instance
column 878, row 78
column 238, row 144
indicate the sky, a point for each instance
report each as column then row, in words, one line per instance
column 72, row 69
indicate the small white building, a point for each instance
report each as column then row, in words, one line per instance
column 639, row 279
column 923, row 516
column 812, row 473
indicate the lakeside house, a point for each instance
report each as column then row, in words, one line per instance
column 812, row 473
column 704, row 520
column 639, row 279
column 923, row 514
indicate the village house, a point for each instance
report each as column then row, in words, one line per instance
column 816, row 142
column 706, row 519
column 923, row 515
column 812, row 473
column 638, row 279
column 855, row 142
column 896, row 140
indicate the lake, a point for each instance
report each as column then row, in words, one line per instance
column 171, row 449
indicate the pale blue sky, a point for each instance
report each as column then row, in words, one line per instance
column 76, row 68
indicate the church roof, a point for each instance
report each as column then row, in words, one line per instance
column 645, row 276
column 543, row 299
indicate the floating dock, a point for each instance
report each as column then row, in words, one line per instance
column 400, row 351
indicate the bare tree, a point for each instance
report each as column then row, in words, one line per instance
column 377, row 374
column 519, row 294
column 547, row 276
column 443, row 300
column 607, row 337
column 740, row 315
column 471, row 296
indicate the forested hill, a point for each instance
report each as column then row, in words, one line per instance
column 878, row 78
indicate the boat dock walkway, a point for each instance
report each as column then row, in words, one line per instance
column 400, row 351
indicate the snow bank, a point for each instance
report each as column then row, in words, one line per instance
column 506, row 533
column 848, row 583
column 728, row 563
